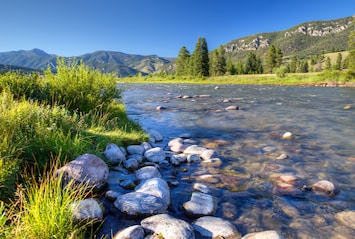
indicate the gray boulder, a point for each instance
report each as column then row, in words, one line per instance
column 147, row 172
column 214, row 227
column 155, row 136
column 131, row 164
column 87, row 168
column 200, row 204
column 157, row 187
column 136, row 232
column 135, row 149
column 155, row 155
column 114, row 154
column 168, row 227
column 87, row 210
column 136, row 204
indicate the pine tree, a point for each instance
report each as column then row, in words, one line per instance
column 182, row 62
column 230, row 68
column 293, row 64
column 327, row 64
column 253, row 64
column 338, row 63
column 270, row 59
column 200, row 58
column 279, row 56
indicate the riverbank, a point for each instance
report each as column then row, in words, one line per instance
column 329, row 79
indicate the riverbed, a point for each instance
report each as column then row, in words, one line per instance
column 250, row 144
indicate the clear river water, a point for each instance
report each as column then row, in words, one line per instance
column 250, row 193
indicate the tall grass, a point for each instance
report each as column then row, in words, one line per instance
column 43, row 209
column 53, row 116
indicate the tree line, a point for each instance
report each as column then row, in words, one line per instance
column 217, row 63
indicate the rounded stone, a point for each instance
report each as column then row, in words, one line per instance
column 214, row 227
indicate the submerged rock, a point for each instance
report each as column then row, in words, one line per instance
column 326, row 187
column 155, row 136
column 167, row 227
column 214, row 227
column 346, row 218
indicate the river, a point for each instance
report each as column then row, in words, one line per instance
column 249, row 141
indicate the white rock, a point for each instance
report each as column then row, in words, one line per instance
column 199, row 187
column 287, row 135
column 194, row 149
column 147, row 172
column 87, row 168
column 167, row 227
column 155, row 155
column 209, row 154
column 193, row 158
column 156, row 187
column 200, row 204
column 271, row 234
column 214, row 227
column 87, row 209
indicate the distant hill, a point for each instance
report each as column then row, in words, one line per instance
column 310, row 38
column 106, row 61
column 306, row 39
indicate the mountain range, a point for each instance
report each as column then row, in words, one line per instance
column 310, row 38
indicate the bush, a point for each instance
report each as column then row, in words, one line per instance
column 79, row 88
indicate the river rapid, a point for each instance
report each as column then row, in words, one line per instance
column 250, row 144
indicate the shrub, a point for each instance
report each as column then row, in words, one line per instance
column 79, row 88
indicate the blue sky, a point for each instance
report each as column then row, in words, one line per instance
column 161, row 27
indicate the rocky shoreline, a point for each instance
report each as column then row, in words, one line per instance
column 134, row 184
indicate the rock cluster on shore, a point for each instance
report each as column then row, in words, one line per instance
column 136, row 168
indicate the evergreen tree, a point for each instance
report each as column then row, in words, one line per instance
column 182, row 62
column 293, row 64
column 230, row 68
column 239, row 68
column 327, row 64
column 338, row 64
column 253, row 64
column 200, row 58
column 218, row 62
column 279, row 56
column 351, row 45
column 270, row 59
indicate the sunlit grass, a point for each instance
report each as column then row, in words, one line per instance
column 56, row 118
column 254, row 79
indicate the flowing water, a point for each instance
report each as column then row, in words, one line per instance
column 249, row 141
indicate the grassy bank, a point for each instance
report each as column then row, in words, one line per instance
column 329, row 78
column 47, row 120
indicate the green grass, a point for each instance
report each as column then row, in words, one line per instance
column 257, row 79
column 46, row 118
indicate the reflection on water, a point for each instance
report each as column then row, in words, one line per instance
column 251, row 182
